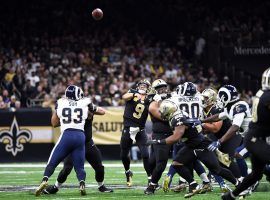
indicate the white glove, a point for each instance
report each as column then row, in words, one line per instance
column 157, row 98
column 133, row 132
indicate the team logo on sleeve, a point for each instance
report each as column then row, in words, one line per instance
column 14, row 138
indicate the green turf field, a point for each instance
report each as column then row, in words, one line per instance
column 19, row 182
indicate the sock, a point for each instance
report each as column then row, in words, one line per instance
column 243, row 166
column 171, row 172
column 204, row 178
column 100, row 183
column 127, row 171
column 57, row 184
column 45, row 178
column 182, row 179
column 219, row 179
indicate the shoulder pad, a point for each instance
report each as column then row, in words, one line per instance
column 240, row 108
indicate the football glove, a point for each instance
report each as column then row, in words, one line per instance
column 157, row 98
column 214, row 145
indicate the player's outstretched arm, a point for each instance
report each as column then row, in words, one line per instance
column 153, row 109
column 213, row 127
column 231, row 132
column 100, row 111
column 213, row 118
column 177, row 135
column 55, row 121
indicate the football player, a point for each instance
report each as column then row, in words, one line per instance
column 239, row 113
column 195, row 146
column 161, row 129
column 71, row 111
column 92, row 155
column 257, row 140
column 216, row 130
column 135, row 116
column 189, row 100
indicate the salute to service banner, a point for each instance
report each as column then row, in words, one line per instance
column 107, row 129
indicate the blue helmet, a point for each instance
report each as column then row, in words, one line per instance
column 74, row 92
column 227, row 94
column 187, row 89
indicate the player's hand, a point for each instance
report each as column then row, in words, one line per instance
column 214, row 145
column 150, row 142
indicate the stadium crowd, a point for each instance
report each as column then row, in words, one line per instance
column 38, row 59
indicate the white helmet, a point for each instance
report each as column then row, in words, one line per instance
column 227, row 94
column 266, row 79
column 209, row 97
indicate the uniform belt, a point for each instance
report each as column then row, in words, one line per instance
column 74, row 129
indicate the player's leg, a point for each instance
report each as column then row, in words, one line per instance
column 78, row 157
column 152, row 160
column 62, row 148
column 125, row 146
column 162, row 155
column 94, row 158
column 206, row 186
column 240, row 154
column 141, row 139
column 62, row 176
column 229, row 148
column 210, row 160
column 183, row 163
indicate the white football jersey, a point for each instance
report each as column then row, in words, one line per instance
column 72, row 113
column 190, row 105
column 239, row 114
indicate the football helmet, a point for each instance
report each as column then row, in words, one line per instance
column 227, row 94
column 74, row 92
column 266, row 79
column 167, row 109
column 188, row 89
column 209, row 97
column 161, row 87
column 143, row 86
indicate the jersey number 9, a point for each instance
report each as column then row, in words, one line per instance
column 138, row 111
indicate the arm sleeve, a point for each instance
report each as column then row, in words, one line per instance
column 238, row 119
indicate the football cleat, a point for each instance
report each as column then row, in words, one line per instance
column 41, row 187
column 206, row 187
column 150, row 189
column 192, row 190
column 129, row 175
column 82, row 188
column 182, row 186
column 225, row 188
column 51, row 189
column 166, row 183
column 227, row 196
column 104, row 189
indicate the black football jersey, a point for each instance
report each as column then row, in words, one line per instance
column 88, row 130
column 193, row 134
column 136, row 112
column 261, row 113
column 226, row 123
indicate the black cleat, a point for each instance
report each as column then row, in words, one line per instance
column 129, row 175
column 192, row 190
column 150, row 189
column 82, row 188
column 227, row 196
column 103, row 188
column 51, row 189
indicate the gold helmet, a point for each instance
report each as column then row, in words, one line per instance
column 161, row 87
column 143, row 89
column 167, row 108
column 209, row 97
column 159, row 83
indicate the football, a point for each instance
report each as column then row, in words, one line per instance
column 97, row 14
